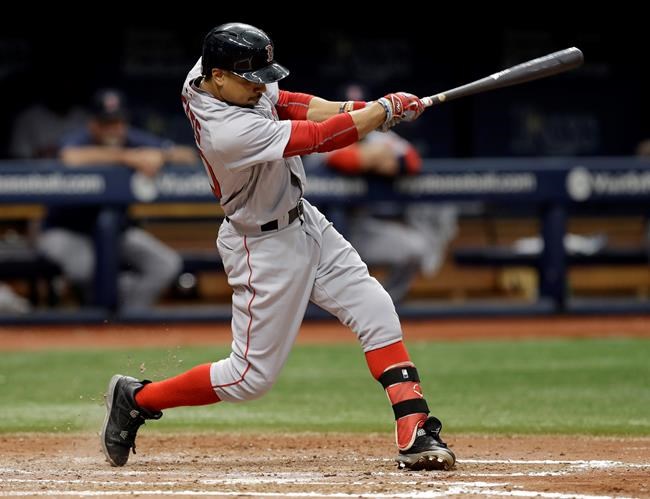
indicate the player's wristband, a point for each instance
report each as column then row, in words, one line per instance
column 351, row 105
column 387, row 107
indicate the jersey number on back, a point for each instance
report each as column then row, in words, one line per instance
column 196, row 127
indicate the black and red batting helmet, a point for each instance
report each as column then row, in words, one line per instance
column 244, row 50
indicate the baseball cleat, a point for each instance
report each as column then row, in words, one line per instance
column 428, row 451
column 123, row 418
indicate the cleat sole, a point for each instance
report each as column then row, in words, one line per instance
column 440, row 459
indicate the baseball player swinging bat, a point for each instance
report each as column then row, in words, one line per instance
column 548, row 65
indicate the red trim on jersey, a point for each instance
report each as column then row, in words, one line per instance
column 308, row 136
column 346, row 160
column 293, row 105
column 250, row 319
column 216, row 190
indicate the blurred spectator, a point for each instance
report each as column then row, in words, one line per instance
column 109, row 138
column 36, row 134
column 68, row 237
column 37, row 130
column 409, row 239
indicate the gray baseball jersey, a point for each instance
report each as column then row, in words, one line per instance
column 242, row 150
column 276, row 271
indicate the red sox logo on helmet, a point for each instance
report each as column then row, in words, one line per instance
column 269, row 53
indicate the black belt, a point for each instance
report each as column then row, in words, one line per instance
column 293, row 213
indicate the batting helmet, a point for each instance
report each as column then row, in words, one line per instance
column 241, row 49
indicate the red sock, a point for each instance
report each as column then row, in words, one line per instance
column 193, row 387
column 389, row 357
column 385, row 357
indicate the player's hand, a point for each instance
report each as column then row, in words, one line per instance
column 146, row 160
column 400, row 106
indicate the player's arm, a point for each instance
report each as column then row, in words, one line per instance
column 91, row 155
column 334, row 133
column 102, row 155
column 146, row 160
column 299, row 106
column 364, row 157
column 321, row 109
column 344, row 129
column 182, row 155
column 375, row 157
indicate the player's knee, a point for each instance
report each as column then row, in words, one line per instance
column 256, row 386
column 384, row 326
column 72, row 253
column 258, row 380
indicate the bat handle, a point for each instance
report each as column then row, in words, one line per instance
column 433, row 99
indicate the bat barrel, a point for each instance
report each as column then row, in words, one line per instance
column 542, row 67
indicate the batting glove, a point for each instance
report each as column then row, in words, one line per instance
column 400, row 106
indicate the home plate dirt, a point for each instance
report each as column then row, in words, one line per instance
column 322, row 465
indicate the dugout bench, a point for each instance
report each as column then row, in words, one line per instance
column 552, row 186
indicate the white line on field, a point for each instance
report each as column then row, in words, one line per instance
column 590, row 463
column 451, row 491
column 513, row 474
column 241, row 481
column 313, row 477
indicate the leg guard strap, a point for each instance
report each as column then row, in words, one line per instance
column 399, row 375
column 412, row 406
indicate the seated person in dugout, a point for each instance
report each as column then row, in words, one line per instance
column 67, row 239
column 408, row 239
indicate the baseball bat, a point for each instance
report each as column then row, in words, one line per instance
column 548, row 65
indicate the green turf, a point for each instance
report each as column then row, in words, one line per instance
column 573, row 386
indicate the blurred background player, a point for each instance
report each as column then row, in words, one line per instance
column 407, row 239
column 36, row 133
column 38, row 129
column 109, row 139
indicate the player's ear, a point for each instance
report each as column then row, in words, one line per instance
column 218, row 75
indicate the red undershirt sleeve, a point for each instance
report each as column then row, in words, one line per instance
column 346, row 160
column 308, row 136
column 412, row 161
column 293, row 105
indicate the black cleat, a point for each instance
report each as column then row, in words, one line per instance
column 123, row 418
column 428, row 451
